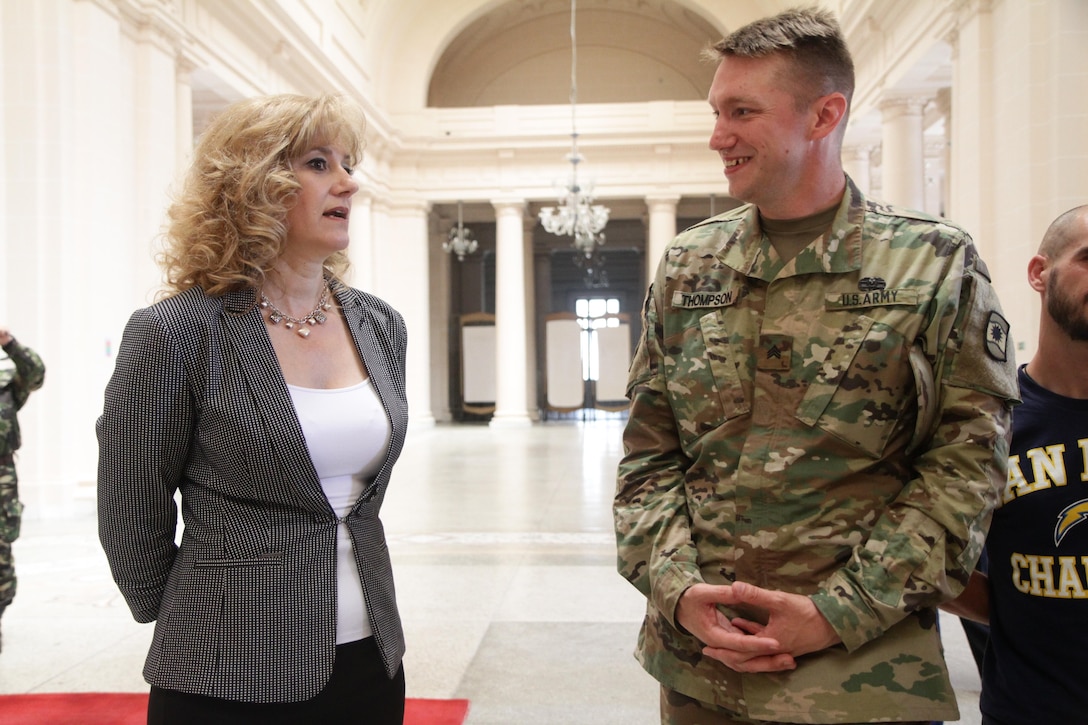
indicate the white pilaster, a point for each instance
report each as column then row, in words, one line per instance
column 972, row 161
column 183, row 107
column 34, row 45
column 511, row 331
column 378, row 256
column 97, row 243
column 155, row 98
column 903, row 152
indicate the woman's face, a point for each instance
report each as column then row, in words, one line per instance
column 318, row 221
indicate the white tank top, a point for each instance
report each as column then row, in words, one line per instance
column 347, row 433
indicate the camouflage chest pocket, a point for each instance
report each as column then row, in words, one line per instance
column 705, row 386
column 859, row 384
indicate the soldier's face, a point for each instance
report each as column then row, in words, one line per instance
column 759, row 133
column 1067, row 291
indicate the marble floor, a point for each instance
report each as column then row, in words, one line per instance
column 504, row 561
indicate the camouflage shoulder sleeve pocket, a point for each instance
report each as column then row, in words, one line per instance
column 643, row 364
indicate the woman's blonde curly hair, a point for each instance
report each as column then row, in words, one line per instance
column 228, row 226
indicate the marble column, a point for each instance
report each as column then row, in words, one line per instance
column 440, row 272
column 857, row 163
column 944, row 107
column 903, row 152
column 662, row 229
column 361, row 249
column 934, row 182
column 511, row 330
column 402, row 277
column 531, row 367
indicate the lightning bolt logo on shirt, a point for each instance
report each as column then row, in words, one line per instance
column 1070, row 517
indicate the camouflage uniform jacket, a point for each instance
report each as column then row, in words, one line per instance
column 17, row 382
column 773, row 406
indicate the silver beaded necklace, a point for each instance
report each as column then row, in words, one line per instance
column 316, row 316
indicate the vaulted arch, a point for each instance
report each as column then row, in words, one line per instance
column 628, row 51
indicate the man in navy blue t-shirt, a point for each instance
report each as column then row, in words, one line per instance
column 1036, row 596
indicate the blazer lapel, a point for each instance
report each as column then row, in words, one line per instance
column 292, row 466
column 377, row 349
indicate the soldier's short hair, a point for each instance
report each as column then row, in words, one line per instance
column 809, row 38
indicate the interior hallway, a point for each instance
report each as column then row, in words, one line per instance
column 503, row 554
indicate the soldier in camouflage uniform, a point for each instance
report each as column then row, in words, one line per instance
column 819, row 421
column 20, row 375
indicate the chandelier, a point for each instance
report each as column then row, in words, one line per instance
column 595, row 276
column 461, row 241
column 576, row 216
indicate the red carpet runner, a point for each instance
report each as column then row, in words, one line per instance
column 127, row 708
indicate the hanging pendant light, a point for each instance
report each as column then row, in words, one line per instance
column 461, row 241
column 576, row 215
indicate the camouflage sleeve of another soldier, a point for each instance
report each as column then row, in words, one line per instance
column 19, row 376
column 653, row 528
column 28, row 372
column 923, row 547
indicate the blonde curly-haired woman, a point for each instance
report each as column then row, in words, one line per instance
column 271, row 395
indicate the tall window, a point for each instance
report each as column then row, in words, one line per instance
column 593, row 314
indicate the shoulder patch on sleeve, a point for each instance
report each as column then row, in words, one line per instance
column 997, row 336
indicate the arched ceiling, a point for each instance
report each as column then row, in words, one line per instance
column 519, row 53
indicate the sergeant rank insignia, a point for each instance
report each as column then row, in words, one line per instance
column 775, row 352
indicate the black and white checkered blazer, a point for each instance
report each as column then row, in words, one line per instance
column 245, row 608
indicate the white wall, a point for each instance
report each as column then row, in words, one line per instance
column 1018, row 146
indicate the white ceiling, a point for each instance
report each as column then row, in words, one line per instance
column 627, row 51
